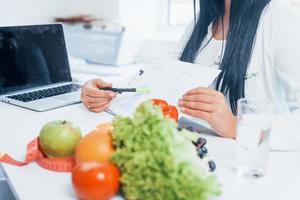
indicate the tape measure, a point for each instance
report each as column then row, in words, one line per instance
column 34, row 154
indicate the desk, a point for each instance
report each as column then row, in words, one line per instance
column 19, row 126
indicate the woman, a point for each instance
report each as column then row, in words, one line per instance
column 256, row 44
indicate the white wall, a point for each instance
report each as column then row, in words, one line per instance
column 13, row 12
column 141, row 17
column 138, row 14
column 144, row 17
column 295, row 3
column 100, row 8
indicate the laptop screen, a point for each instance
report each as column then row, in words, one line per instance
column 32, row 56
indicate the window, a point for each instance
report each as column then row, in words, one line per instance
column 180, row 12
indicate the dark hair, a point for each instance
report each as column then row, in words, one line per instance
column 244, row 19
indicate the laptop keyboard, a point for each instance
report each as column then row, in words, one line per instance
column 41, row 94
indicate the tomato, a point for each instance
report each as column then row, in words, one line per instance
column 168, row 110
column 172, row 113
column 162, row 103
column 95, row 180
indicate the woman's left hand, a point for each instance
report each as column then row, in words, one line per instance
column 210, row 105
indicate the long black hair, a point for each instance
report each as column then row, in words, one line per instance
column 244, row 19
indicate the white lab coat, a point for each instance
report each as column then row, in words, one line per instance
column 274, row 71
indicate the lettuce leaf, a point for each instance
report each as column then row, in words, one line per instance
column 156, row 161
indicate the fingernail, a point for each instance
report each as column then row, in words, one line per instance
column 181, row 99
column 180, row 102
column 182, row 109
column 112, row 94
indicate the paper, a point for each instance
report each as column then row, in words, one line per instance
column 168, row 79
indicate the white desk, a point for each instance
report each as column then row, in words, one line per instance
column 19, row 126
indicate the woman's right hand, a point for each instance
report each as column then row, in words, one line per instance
column 95, row 99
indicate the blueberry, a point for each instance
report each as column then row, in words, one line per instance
column 212, row 165
column 202, row 152
column 190, row 128
column 203, row 140
column 200, row 143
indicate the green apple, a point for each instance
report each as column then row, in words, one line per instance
column 59, row 139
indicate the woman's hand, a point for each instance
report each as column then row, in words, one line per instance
column 93, row 98
column 210, row 105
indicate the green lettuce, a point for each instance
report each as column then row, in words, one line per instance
column 156, row 161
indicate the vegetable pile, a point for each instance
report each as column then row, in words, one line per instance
column 156, row 161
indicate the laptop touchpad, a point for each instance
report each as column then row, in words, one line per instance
column 74, row 96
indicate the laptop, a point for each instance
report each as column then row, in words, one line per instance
column 34, row 68
column 7, row 191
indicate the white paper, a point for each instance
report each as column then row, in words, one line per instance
column 168, row 79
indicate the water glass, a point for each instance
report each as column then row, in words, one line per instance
column 253, row 136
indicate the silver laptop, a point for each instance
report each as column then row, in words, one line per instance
column 34, row 68
column 7, row 191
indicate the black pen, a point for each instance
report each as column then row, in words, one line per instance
column 122, row 90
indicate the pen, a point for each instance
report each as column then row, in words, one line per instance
column 122, row 90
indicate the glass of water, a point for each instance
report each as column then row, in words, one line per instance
column 253, row 136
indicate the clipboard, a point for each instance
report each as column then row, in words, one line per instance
column 169, row 79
